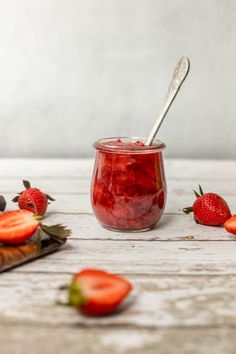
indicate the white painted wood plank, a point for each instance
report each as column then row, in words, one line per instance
column 140, row 257
column 200, row 169
column 157, row 302
column 115, row 340
column 170, row 227
column 76, row 213
column 47, row 168
column 80, row 203
column 60, row 168
column 82, row 186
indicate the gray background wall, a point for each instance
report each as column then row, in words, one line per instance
column 72, row 71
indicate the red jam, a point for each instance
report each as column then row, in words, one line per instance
column 128, row 190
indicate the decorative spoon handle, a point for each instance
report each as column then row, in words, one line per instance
column 178, row 78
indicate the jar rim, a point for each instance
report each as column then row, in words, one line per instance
column 102, row 144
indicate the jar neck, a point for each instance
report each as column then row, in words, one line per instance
column 128, row 145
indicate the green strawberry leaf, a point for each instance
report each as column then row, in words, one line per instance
column 196, row 194
column 200, row 189
column 57, row 232
column 26, row 184
column 15, row 200
column 49, row 197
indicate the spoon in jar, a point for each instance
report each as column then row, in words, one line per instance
column 178, row 78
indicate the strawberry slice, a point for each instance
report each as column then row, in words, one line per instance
column 97, row 293
column 17, row 226
column 230, row 225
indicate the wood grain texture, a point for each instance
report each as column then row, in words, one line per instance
column 183, row 274
column 96, row 340
column 172, row 227
column 61, row 168
column 80, row 203
column 158, row 301
column 77, row 186
column 141, row 257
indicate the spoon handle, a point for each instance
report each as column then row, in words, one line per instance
column 178, row 78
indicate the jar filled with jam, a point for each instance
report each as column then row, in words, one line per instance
column 128, row 189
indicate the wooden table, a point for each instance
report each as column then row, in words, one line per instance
column 184, row 274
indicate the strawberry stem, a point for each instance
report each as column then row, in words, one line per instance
column 76, row 297
column 58, row 301
column 188, row 210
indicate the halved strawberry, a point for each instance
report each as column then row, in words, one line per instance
column 97, row 293
column 230, row 225
column 17, row 226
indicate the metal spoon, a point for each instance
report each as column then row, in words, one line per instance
column 178, row 78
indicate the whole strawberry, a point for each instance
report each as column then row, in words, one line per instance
column 33, row 199
column 209, row 209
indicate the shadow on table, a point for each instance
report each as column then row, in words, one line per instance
column 164, row 221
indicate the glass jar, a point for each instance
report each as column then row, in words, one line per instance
column 128, row 189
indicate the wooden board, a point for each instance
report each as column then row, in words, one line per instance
column 12, row 256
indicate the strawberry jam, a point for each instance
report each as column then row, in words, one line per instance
column 128, row 190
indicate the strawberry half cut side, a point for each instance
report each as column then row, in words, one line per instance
column 230, row 225
column 17, row 226
column 97, row 293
